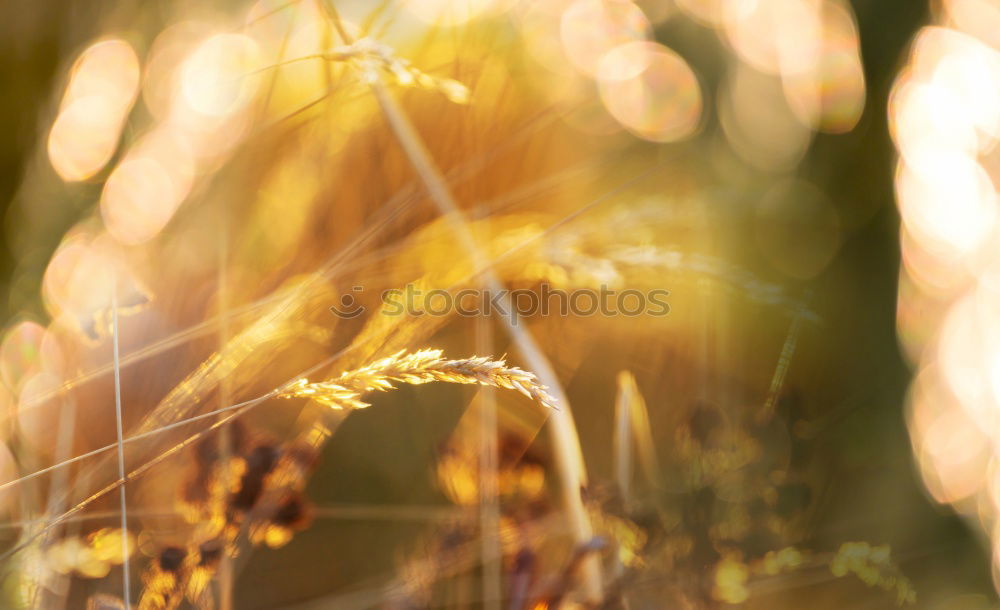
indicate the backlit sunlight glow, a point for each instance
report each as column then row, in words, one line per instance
column 944, row 114
column 211, row 182
column 454, row 12
column 650, row 90
column 102, row 86
column 829, row 94
column 591, row 28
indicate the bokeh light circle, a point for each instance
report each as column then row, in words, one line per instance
column 766, row 133
column 947, row 201
column 21, row 353
column 41, row 404
column 591, row 28
column 651, row 91
column 8, row 473
column 139, row 199
column 103, row 84
column 217, row 78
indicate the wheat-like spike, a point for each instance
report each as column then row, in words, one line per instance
column 415, row 368
column 374, row 57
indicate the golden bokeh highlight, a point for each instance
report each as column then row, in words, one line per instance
column 651, row 91
column 919, row 310
column 8, row 412
column 953, row 452
column 79, row 280
column 144, row 191
column 539, row 25
column 948, row 97
column 944, row 114
column 107, row 68
column 925, row 117
column 199, row 85
column 41, row 407
column 216, row 78
column 139, row 198
column 947, row 201
column 980, row 18
column 829, row 95
column 967, row 353
column 937, row 276
column 766, row 134
column 21, row 353
column 812, row 45
column 591, row 28
column 777, row 36
column 82, row 139
column 163, row 65
column 281, row 39
column 8, row 472
column 103, row 84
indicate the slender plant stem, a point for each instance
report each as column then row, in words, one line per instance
column 562, row 430
column 126, row 580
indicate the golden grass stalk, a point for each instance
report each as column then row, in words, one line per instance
column 373, row 58
column 633, row 434
column 562, row 429
column 424, row 366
